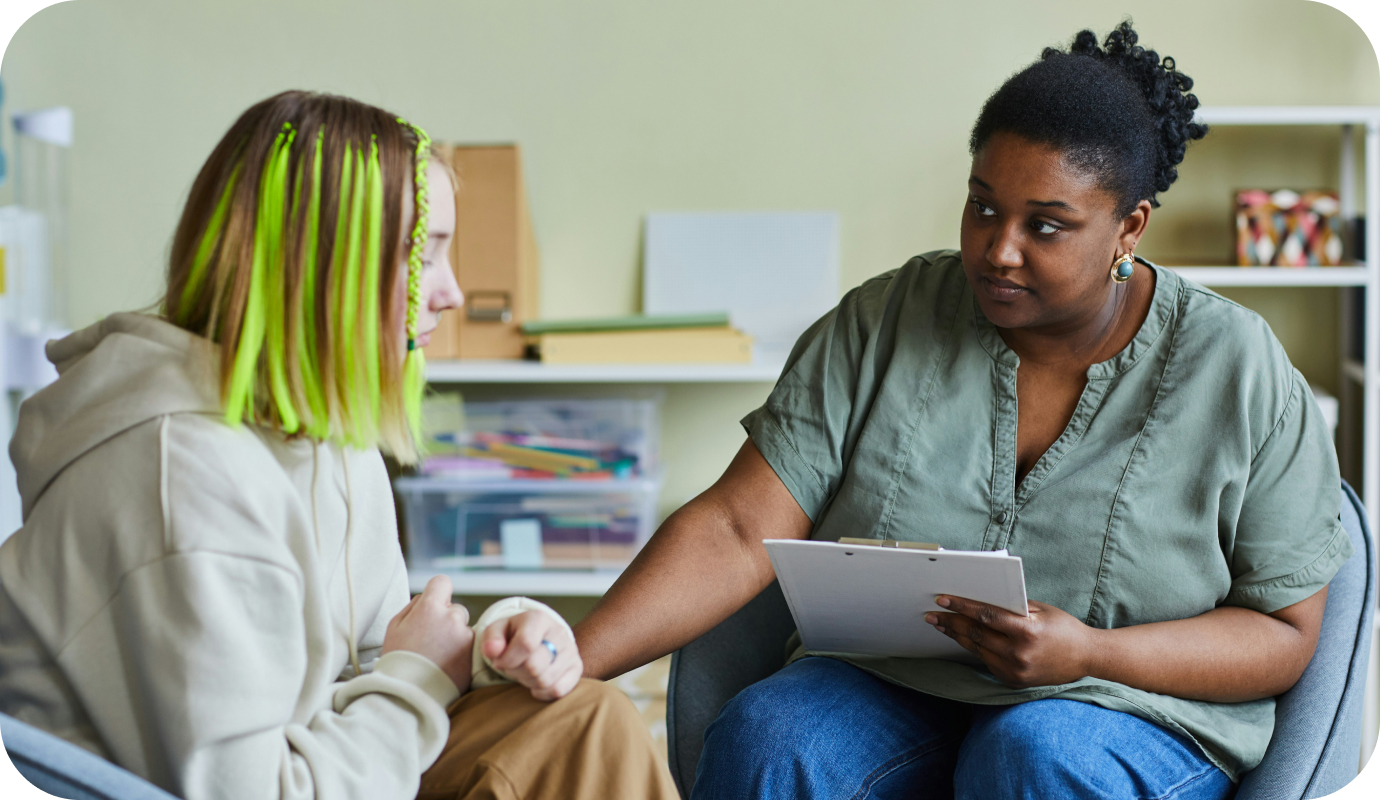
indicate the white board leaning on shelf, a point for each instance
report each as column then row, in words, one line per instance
column 774, row 272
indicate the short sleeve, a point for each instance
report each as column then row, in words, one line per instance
column 1289, row 538
column 803, row 430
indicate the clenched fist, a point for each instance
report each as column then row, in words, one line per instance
column 514, row 646
column 432, row 626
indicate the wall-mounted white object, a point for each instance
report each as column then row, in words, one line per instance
column 51, row 125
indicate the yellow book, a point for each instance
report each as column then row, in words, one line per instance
column 530, row 458
column 719, row 345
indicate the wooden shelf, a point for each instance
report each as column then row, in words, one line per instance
column 1275, row 276
column 534, row 583
column 496, row 371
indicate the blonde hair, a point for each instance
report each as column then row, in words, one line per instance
column 286, row 255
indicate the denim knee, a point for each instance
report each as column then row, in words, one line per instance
column 1009, row 749
column 1064, row 748
column 766, row 739
column 761, row 720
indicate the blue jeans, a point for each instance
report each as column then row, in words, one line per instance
column 821, row 728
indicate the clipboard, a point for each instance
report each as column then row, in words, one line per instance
column 871, row 599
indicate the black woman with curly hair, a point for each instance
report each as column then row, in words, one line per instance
column 1143, row 444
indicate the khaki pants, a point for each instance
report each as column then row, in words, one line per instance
column 504, row 745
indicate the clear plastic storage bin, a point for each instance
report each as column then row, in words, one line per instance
column 526, row 524
column 610, row 439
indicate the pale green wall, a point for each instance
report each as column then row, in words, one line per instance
column 625, row 107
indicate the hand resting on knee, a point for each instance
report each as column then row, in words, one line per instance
column 534, row 647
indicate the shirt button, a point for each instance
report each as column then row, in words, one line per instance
column 1002, row 517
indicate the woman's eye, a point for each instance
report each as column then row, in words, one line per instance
column 982, row 209
column 1044, row 227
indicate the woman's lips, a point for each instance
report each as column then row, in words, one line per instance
column 424, row 339
column 999, row 289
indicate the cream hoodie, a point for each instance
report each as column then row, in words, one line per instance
column 186, row 598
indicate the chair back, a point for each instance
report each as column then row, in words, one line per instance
column 708, row 672
column 1316, row 746
column 62, row 769
column 1315, row 749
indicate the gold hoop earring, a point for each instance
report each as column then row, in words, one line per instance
column 1123, row 268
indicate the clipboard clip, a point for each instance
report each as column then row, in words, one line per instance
column 890, row 543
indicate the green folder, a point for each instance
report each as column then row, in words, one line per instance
column 636, row 322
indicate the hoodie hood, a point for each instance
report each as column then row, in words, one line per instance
column 116, row 374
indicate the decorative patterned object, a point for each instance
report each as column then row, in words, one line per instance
column 1288, row 229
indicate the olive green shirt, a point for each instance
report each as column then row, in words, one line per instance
column 1196, row 472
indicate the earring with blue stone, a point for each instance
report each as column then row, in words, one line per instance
column 1123, row 268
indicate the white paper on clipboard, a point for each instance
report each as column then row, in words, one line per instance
column 873, row 600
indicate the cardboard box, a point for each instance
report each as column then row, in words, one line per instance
column 494, row 255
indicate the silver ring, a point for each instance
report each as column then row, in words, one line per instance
column 552, row 648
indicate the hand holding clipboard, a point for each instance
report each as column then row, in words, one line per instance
column 857, row 597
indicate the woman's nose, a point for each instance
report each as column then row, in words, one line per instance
column 1004, row 251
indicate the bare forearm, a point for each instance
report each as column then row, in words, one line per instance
column 1227, row 655
column 693, row 573
column 703, row 564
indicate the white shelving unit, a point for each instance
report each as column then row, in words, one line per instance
column 483, row 371
column 1276, row 276
column 1366, row 278
column 549, row 583
column 1349, row 119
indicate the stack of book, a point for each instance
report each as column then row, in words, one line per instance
column 661, row 339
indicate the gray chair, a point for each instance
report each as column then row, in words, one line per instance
column 62, row 769
column 1317, row 740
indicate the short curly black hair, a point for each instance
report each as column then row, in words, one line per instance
column 1118, row 111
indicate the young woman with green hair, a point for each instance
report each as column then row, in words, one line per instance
column 208, row 588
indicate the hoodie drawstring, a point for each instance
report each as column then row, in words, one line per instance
column 349, row 584
column 349, row 531
column 315, row 517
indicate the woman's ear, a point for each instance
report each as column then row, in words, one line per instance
column 1133, row 226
